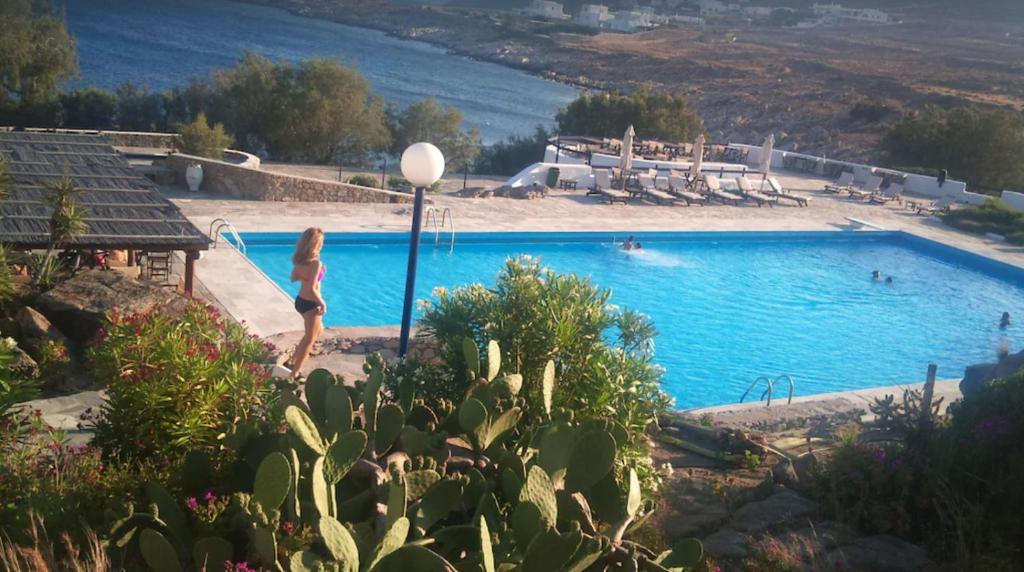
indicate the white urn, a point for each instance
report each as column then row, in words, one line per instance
column 194, row 176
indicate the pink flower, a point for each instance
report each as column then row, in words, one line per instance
column 192, row 504
column 209, row 497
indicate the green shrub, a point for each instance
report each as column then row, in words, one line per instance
column 509, row 156
column 609, row 114
column 370, row 482
column 13, row 388
column 954, row 485
column 363, row 181
column 537, row 316
column 54, row 365
column 71, row 488
column 175, row 384
column 200, row 139
column 991, row 216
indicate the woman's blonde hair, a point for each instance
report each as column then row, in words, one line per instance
column 308, row 247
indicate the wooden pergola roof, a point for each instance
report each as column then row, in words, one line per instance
column 123, row 209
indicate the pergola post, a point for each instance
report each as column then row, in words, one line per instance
column 190, row 271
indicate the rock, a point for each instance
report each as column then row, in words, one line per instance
column 976, row 376
column 22, row 365
column 78, row 306
column 784, row 473
column 784, row 507
column 817, row 540
column 804, row 466
column 36, row 330
column 881, row 553
column 726, row 543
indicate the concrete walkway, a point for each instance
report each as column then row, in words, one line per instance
column 752, row 414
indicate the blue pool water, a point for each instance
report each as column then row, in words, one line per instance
column 729, row 306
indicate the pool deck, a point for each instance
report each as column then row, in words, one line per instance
column 248, row 295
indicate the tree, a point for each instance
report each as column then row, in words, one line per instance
column 36, row 52
column 437, row 124
column 198, row 138
column 89, row 108
column 139, row 110
column 508, row 157
column 653, row 115
column 982, row 146
column 316, row 111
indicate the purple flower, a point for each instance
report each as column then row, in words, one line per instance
column 192, row 503
column 209, row 496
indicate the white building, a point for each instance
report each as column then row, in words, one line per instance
column 857, row 14
column 594, row 16
column 547, row 9
column 629, row 21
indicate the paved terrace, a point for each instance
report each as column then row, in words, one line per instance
column 248, row 295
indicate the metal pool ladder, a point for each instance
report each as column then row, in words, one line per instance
column 447, row 221
column 769, row 387
column 222, row 223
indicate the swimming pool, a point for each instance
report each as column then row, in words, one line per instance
column 729, row 306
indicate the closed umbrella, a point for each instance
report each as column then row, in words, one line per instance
column 626, row 158
column 766, row 157
column 698, row 158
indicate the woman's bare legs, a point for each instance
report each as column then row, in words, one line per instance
column 314, row 325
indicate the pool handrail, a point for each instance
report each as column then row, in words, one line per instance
column 215, row 234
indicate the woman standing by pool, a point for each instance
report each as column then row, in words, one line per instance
column 309, row 270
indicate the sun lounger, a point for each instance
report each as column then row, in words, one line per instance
column 715, row 190
column 750, row 193
column 841, row 185
column 894, row 192
column 943, row 205
column 776, row 190
column 871, row 187
column 651, row 192
column 603, row 188
column 681, row 188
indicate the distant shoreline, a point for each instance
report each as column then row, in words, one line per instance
column 351, row 17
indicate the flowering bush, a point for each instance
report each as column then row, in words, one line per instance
column 54, row 363
column 175, row 384
column 537, row 315
column 43, row 476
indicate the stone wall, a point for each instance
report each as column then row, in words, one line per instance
column 220, row 177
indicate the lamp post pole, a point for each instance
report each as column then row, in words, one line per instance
column 422, row 165
column 410, row 272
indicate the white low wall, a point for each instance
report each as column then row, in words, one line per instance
column 537, row 174
column 916, row 184
column 1014, row 199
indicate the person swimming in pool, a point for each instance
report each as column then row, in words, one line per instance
column 638, row 246
column 876, row 275
column 309, row 270
column 1004, row 322
column 628, row 245
column 888, row 280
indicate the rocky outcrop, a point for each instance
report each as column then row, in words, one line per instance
column 976, row 376
column 35, row 330
column 22, row 365
column 527, row 193
column 782, row 508
column 881, row 553
column 78, row 306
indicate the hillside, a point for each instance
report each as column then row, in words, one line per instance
column 828, row 91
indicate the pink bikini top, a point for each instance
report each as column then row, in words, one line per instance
column 323, row 270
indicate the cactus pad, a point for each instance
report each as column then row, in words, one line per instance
column 337, row 411
column 437, row 502
column 486, row 550
column 548, row 386
column 316, row 386
column 157, row 551
column 593, row 457
column 212, row 552
column 526, row 523
column 471, row 354
column 633, row 498
column 273, row 479
column 493, row 360
column 169, row 512
column 305, row 561
column 417, row 483
column 550, row 551
column 265, row 543
column 413, row 557
column 472, row 416
column 340, row 544
column 390, row 420
column 304, row 428
column 322, row 497
column 539, row 491
column 501, row 428
column 393, row 539
column 687, row 553
column 512, row 382
column 343, row 455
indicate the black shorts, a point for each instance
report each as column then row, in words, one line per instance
column 303, row 305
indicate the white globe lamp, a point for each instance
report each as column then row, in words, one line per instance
column 422, row 164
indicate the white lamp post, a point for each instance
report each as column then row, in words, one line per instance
column 422, row 165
